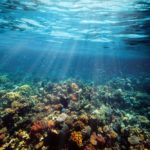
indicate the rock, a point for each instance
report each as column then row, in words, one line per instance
column 62, row 117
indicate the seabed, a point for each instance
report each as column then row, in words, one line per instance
column 74, row 115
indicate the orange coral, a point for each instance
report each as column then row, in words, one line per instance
column 41, row 125
column 95, row 139
column 50, row 123
column 77, row 138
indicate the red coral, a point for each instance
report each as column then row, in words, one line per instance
column 2, row 136
column 41, row 125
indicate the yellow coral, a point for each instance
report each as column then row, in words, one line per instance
column 24, row 88
column 9, row 110
column 112, row 134
column 12, row 96
column 16, row 105
column 76, row 137
column 23, row 134
column 84, row 118
column 74, row 86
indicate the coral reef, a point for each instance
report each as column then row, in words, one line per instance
column 74, row 115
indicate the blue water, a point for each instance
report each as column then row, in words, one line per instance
column 84, row 39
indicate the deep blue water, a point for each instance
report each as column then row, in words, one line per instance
column 85, row 39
